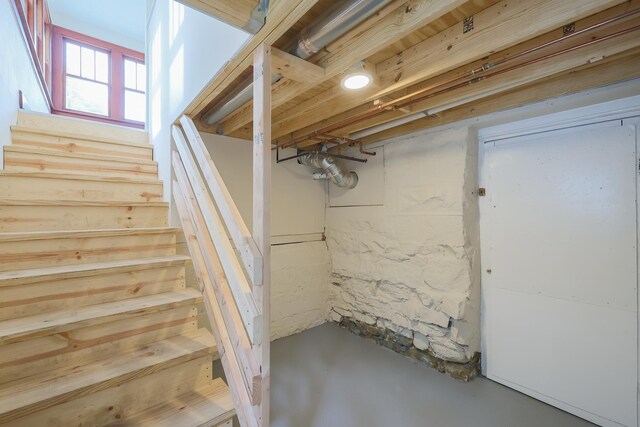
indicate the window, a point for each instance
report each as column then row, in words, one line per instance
column 86, row 79
column 97, row 80
column 135, row 82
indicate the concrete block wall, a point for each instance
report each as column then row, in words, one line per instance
column 410, row 265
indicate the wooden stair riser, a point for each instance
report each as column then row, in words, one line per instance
column 42, row 325
column 35, row 187
column 82, row 146
column 84, row 247
column 93, row 343
column 47, row 217
column 16, row 160
column 119, row 403
column 43, row 297
column 85, row 128
column 23, row 397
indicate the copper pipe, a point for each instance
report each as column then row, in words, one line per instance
column 400, row 102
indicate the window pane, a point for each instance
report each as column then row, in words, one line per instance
column 88, row 63
column 102, row 67
column 72, row 59
column 142, row 78
column 90, row 97
column 134, row 106
column 129, row 74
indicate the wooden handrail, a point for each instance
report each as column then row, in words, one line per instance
column 221, row 291
column 237, row 228
column 232, row 269
column 230, row 363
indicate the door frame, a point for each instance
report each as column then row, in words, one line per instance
column 621, row 109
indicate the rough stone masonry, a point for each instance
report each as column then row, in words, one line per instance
column 405, row 274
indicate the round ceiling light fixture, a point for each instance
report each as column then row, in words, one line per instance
column 357, row 80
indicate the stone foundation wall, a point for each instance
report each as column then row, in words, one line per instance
column 406, row 346
column 405, row 273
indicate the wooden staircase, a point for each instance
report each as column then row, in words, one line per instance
column 98, row 325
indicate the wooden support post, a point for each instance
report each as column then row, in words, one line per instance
column 262, row 207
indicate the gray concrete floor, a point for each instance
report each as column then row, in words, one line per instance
column 328, row 377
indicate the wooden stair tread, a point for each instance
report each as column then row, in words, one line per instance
column 74, row 234
column 77, row 135
column 207, row 406
column 79, row 156
column 35, row 275
column 12, row 202
column 8, row 174
column 59, row 321
column 31, row 394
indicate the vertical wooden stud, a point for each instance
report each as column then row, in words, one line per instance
column 262, row 208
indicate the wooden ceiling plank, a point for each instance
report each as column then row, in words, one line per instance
column 498, row 27
column 283, row 14
column 291, row 124
column 409, row 17
column 612, row 70
column 518, row 77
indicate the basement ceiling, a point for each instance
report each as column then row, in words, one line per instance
column 435, row 63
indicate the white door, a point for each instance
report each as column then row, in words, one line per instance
column 560, row 268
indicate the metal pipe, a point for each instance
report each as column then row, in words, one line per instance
column 328, row 165
column 469, row 77
column 338, row 20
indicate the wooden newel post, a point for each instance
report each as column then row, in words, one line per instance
column 262, row 208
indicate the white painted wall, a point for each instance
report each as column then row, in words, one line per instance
column 185, row 48
column 87, row 28
column 17, row 72
column 300, row 271
column 411, row 264
column 120, row 22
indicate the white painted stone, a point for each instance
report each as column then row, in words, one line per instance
column 365, row 318
column 448, row 350
column 334, row 316
column 420, row 341
column 409, row 262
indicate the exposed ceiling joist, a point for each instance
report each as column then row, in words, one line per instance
column 406, row 19
column 612, row 70
column 450, row 49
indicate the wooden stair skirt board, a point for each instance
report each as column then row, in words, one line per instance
column 25, row 159
column 17, row 215
column 58, row 393
column 99, row 324
column 54, row 187
column 19, row 251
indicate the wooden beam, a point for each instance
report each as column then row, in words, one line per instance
column 294, row 68
column 262, row 207
column 408, row 18
column 282, row 16
column 236, row 13
column 612, row 70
